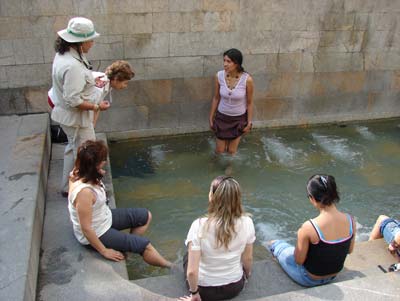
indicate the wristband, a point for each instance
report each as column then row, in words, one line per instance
column 96, row 107
column 195, row 292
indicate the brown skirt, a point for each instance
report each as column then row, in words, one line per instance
column 229, row 127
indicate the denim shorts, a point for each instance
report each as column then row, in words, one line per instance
column 389, row 228
column 284, row 253
column 126, row 218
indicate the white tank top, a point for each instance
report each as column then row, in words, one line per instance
column 101, row 213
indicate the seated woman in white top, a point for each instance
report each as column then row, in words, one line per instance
column 94, row 223
column 220, row 245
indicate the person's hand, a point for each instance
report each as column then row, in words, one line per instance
column 212, row 125
column 195, row 297
column 247, row 128
column 104, row 105
column 99, row 83
column 111, row 254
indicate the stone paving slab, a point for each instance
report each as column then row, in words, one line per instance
column 24, row 157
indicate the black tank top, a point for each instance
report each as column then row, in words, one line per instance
column 327, row 256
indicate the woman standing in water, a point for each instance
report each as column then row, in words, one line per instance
column 322, row 242
column 232, row 105
column 220, row 245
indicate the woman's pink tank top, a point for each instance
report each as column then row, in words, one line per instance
column 233, row 102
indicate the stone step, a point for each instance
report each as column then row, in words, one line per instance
column 268, row 279
column 24, row 156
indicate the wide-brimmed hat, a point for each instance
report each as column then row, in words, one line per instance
column 79, row 30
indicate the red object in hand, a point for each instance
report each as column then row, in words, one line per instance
column 51, row 104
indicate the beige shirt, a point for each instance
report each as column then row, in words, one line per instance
column 72, row 81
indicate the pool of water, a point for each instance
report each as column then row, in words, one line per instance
column 171, row 176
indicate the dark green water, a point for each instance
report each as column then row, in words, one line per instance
column 171, row 176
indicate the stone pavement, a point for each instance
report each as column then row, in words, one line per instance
column 24, row 156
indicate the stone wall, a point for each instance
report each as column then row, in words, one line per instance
column 311, row 60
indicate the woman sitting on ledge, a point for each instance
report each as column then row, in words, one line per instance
column 220, row 245
column 94, row 222
column 389, row 229
column 323, row 242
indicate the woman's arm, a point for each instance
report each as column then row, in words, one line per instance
column 249, row 96
column 193, row 271
column 303, row 240
column 214, row 103
column 84, row 202
column 247, row 259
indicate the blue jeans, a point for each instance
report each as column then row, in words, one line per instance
column 389, row 228
column 284, row 252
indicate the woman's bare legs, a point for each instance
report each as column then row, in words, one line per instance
column 233, row 146
column 152, row 257
column 221, row 146
column 229, row 146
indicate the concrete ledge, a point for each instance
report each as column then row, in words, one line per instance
column 25, row 155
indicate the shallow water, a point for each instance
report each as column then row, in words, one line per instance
column 171, row 176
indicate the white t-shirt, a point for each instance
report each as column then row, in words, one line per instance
column 220, row 266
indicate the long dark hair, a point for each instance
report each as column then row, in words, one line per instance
column 323, row 189
column 236, row 56
column 90, row 155
column 62, row 46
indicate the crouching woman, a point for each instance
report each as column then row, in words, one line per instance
column 94, row 223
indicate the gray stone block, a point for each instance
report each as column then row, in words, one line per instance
column 212, row 64
column 48, row 49
column 221, row 6
column 192, row 90
column 129, row 6
column 146, row 45
column 159, row 5
column 382, row 60
column 364, row 6
column 194, row 114
column 3, row 78
column 179, row 67
column 201, row 43
column 108, row 48
column 337, row 21
column 184, row 5
column 12, row 101
column 259, row 42
column 122, row 118
column 255, row 63
column 164, row 115
column 341, row 41
column 127, row 24
column 172, row 22
column 295, row 41
column 336, row 62
column 28, row 75
column 6, row 53
column 28, row 51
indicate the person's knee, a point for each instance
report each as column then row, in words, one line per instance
column 381, row 218
column 149, row 217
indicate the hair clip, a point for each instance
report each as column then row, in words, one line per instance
column 324, row 181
